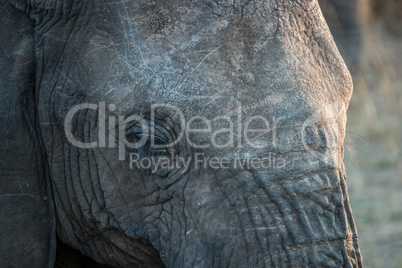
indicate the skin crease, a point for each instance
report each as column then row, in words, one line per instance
column 274, row 59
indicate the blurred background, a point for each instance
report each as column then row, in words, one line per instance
column 369, row 36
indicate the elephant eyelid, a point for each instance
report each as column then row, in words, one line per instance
column 156, row 139
column 134, row 136
column 148, row 150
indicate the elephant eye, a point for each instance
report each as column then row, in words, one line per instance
column 134, row 134
column 153, row 145
column 158, row 150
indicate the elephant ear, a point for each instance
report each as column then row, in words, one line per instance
column 27, row 223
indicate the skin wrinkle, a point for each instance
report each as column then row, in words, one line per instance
column 95, row 206
column 254, row 229
column 76, row 181
column 99, row 201
column 243, row 227
column 71, row 202
column 183, row 230
column 268, row 247
column 178, row 220
column 87, row 173
column 232, row 203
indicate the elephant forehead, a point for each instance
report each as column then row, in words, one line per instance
column 200, row 57
column 204, row 63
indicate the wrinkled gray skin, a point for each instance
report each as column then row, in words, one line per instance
column 275, row 58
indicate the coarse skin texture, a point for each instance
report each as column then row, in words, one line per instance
column 274, row 59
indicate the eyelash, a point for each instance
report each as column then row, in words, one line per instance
column 146, row 149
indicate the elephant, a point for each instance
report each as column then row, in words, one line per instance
column 172, row 134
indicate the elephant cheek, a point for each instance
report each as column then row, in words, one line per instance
column 258, row 220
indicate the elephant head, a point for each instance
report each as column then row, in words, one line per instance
column 173, row 133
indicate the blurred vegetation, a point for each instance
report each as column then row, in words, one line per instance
column 373, row 157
